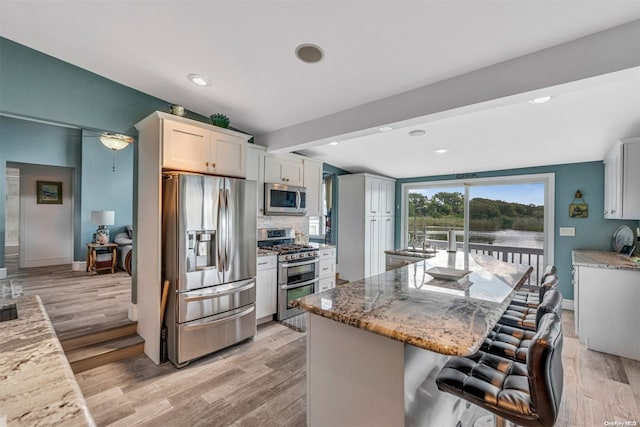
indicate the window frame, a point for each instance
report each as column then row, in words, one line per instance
column 548, row 179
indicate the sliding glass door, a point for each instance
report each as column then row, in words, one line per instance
column 509, row 218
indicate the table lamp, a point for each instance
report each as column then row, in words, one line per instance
column 102, row 219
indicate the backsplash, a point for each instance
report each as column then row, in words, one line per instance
column 299, row 223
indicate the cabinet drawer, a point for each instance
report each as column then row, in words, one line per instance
column 328, row 253
column 326, row 284
column 327, row 267
column 266, row 262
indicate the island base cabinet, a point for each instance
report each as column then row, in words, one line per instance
column 358, row 378
column 608, row 315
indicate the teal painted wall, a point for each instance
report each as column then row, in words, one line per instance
column 38, row 86
column 334, row 172
column 103, row 188
column 593, row 232
column 26, row 142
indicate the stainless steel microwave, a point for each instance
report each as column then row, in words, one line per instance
column 284, row 200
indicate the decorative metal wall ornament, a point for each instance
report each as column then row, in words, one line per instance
column 578, row 208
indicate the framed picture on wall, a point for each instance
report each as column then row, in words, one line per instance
column 49, row 193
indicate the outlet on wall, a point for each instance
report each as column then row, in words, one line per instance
column 568, row 231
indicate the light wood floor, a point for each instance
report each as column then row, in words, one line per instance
column 76, row 302
column 262, row 383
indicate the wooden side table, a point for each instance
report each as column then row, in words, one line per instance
column 93, row 265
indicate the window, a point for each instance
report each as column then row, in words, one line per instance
column 510, row 218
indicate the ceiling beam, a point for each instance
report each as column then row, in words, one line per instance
column 600, row 53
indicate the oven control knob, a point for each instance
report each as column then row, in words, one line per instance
column 287, row 257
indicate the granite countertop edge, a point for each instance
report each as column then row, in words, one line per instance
column 602, row 259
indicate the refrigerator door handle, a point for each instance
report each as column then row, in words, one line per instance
column 227, row 237
column 219, row 236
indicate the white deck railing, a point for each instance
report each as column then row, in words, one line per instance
column 515, row 255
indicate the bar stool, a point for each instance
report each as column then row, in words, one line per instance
column 513, row 343
column 526, row 394
column 548, row 281
column 525, row 317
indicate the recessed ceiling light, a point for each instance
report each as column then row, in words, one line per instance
column 418, row 132
column 385, row 128
column 198, row 79
column 334, row 143
column 440, row 150
column 309, row 53
column 541, row 100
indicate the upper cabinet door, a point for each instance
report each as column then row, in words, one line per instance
column 283, row 171
column 229, row 156
column 372, row 195
column 186, row 147
column 389, row 198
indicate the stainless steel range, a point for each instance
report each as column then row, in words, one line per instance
column 298, row 267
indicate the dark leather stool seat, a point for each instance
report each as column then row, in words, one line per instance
column 531, row 299
column 525, row 317
column 506, row 341
column 526, row 394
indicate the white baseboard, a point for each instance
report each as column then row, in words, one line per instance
column 3, row 273
column 79, row 266
column 567, row 304
column 133, row 312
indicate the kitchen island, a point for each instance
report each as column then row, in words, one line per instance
column 38, row 386
column 375, row 346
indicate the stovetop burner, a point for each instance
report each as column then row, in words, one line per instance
column 288, row 248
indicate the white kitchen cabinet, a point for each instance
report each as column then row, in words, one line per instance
column 313, row 184
column 621, row 178
column 266, row 288
column 366, row 230
column 283, row 170
column 327, row 269
column 255, row 172
column 606, row 312
column 198, row 147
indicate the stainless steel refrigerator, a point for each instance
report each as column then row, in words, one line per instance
column 209, row 258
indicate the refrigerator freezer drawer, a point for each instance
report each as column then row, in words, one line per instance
column 214, row 300
column 204, row 336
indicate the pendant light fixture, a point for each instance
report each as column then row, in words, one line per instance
column 115, row 142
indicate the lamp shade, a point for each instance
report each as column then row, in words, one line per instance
column 103, row 217
column 115, row 142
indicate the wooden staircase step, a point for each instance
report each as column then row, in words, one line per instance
column 98, row 354
column 84, row 339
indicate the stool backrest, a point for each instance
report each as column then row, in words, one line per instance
column 550, row 282
column 549, row 270
column 552, row 303
column 544, row 366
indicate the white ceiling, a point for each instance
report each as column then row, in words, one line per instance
column 374, row 49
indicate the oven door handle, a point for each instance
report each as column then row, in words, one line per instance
column 298, row 285
column 214, row 322
column 199, row 297
column 298, row 264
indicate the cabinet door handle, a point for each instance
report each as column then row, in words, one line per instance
column 213, row 165
column 613, row 211
column 207, row 163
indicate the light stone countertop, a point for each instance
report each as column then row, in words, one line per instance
column 409, row 305
column 601, row 259
column 38, row 385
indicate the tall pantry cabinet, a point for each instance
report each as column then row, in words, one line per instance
column 366, row 211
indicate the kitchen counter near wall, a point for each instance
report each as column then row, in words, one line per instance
column 38, row 386
column 600, row 259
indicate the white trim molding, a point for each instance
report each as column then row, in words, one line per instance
column 567, row 304
column 79, row 266
column 133, row 312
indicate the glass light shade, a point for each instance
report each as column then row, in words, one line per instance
column 103, row 217
column 115, row 142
